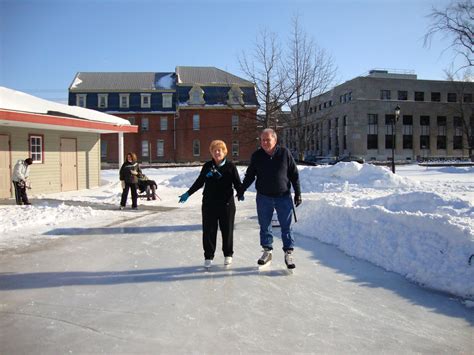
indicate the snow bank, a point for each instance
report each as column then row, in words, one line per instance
column 428, row 243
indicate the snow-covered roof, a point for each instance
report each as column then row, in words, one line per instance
column 126, row 81
column 19, row 101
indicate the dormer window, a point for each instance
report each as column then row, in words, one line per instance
column 124, row 100
column 81, row 100
column 146, row 100
column 235, row 96
column 103, row 100
column 196, row 96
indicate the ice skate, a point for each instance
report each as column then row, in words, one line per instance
column 266, row 257
column 289, row 260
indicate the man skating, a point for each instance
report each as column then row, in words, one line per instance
column 275, row 172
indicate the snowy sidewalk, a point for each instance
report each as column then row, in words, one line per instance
column 138, row 286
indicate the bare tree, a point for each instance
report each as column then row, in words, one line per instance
column 456, row 22
column 463, row 110
column 263, row 67
column 310, row 72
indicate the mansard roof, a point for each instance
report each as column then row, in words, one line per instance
column 123, row 81
column 208, row 76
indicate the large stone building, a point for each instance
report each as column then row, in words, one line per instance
column 178, row 113
column 355, row 118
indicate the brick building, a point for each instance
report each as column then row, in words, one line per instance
column 178, row 113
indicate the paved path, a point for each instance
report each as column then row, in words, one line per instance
column 138, row 286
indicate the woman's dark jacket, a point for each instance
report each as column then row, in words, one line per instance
column 126, row 172
column 218, row 181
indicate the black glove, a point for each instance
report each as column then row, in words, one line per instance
column 297, row 200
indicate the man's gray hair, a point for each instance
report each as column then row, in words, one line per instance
column 271, row 131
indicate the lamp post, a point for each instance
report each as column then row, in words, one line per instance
column 394, row 121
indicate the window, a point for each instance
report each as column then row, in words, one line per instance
column 167, row 100
column 389, row 131
column 349, row 96
column 196, row 148
column 102, row 98
column 145, row 124
column 103, row 149
column 344, row 122
column 467, row 97
column 235, row 148
column 124, row 100
column 372, row 136
column 407, row 132
column 384, row 94
column 163, row 123
column 235, row 123
column 441, row 142
column 196, row 122
column 196, row 96
column 458, row 133
column 146, row 100
column 36, row 148
column 441, row 120
column 81, row 100
column 425, row 132
column 160, row 148
column 403, row 95
column 145, row 150
column 388, row 141
column 235, row 95
column 419, row 96
column 435, row 97
column 452, row 97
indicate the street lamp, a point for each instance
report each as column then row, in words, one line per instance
column 394, row 121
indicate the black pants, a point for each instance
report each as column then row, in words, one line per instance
column 20, row 193
column 212, row 216
column 133, row 189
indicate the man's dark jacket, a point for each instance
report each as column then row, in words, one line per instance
column 275, row 173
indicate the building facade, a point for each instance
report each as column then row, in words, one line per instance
column 356, row 117
column 178, row 113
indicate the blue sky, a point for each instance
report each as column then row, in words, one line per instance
column 43, row 43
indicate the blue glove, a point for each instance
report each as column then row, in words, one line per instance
column 183, row 198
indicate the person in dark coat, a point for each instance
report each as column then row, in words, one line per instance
column 275, row 171
column 219, row 177
column 145, row 185
column 129, row 179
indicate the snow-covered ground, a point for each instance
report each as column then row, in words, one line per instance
column 418, row 223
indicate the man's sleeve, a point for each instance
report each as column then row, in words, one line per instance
column 293, row 174
column 249, row 174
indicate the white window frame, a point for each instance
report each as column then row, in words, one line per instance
column 125, row 104
column 160, row 148
column 143, row 103
column 196, row 122
column 167, row 100
column 81, row 98
column 235, row 123
column 163, row 123
column 105, row 98
column 196, row 144
column 235, row 148
column 145, row 127
column 36, row 154
column 145, row 149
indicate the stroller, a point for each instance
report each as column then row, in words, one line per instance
column 146, row 187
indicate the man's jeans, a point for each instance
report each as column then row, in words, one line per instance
column 284, row 208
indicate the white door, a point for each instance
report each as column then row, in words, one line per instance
column 68, row 164
column 5, row 174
